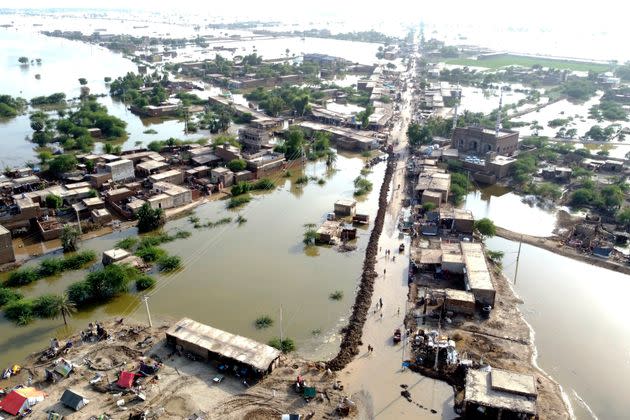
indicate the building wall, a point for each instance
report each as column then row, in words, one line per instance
column 476, row 140
column 6, row 247
column 486, row 297
column 121, row 171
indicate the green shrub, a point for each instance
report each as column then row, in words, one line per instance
column 50, row 267
column 19, row 311
column 145, row 282
column 336, row 295
column 303, row 179
column 46, row 306
column 240, row 188
column 150, row 253
column 264, row 184
column 53, row 201
column 78, row 260
column 239, row 201
column 362, row 186
column 127, row 243
column 237, row 165
column 22, row 277
column 80, row 293
column 8, row 296
column 285, row 346
column 169, row 263
column 264, row 321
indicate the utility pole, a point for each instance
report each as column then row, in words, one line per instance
column 437, row 347
column 281, row 334
column 518, row 257
column 146, row 304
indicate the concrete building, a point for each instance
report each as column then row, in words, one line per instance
column 222, row 176
column 121, row 170
column 500, row 394
column 113, row 255
column 6, row 246
column 477, row 277
column 169, row 195
column 345, row 207
column 253, row 139
column 435, row 182
column 479, row 141
column 459, row 301
column 174, row 176
column 150, row 167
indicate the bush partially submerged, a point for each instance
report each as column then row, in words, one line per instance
column 285, row 346
column 336, row 295
column 169, row 263
column 264, row 321
column 8, row 296
column 145, row 282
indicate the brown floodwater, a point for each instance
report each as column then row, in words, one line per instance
column 233, row 274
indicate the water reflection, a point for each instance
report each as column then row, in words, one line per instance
column 232, row 274
column 508, row 210
column 579, row 314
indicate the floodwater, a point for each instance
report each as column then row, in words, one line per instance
column 579, row 313
column 233, row 274
column 475, row 99
column 508, row 211
column 65, row 61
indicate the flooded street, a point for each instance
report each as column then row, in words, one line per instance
column 578, row 312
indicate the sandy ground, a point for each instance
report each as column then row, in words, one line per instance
column 181, row 388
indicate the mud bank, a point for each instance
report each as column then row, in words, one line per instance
column 352, row 333
column 557, row 247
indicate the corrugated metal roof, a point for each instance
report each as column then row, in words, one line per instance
column 233, row 346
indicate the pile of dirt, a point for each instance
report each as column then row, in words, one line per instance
column 110, row 357
column 352, row 333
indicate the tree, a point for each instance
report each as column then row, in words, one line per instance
column 612, row 196
column 69, row 238
column 23, row 60
column 149, row 218
column 485, row 227
column 53, row 201
column 37, row 125
column 54, row 306
column 107, row 79
column 623, row 216
column 237, row 165
column 82, row 81
column 419, row 135
column 61, row 164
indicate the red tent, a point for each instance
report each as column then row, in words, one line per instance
column 14, row 403
column 125, row 380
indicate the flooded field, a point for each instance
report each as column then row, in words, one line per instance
column 233, row 274
column 578, row 313
column 508, row 210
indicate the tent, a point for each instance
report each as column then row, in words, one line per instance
column 21, row 399
column 125, row 380
column 14, row 403
column 73, row 400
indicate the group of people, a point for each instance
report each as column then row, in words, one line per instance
column 388, row 252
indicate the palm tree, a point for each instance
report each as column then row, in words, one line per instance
column 64, row 307
column 331, row 158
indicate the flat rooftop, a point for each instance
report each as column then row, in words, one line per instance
column 433, row 181
column 476, row 267
column 481, row 390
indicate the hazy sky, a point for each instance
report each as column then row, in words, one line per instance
column 603, row 14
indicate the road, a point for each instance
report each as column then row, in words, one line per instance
column 375, row 378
